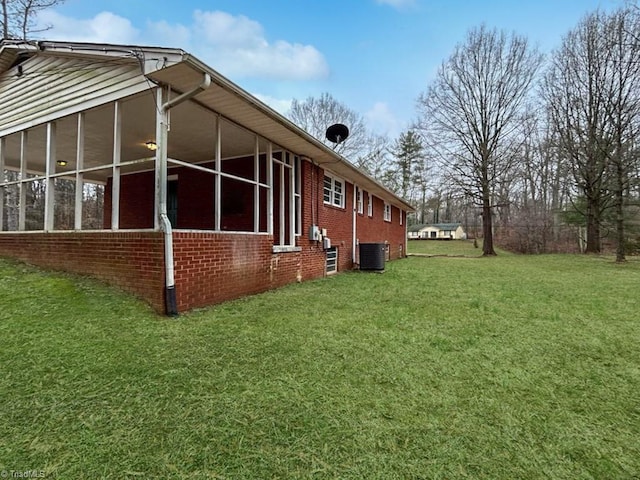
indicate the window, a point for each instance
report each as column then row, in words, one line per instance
column 332, row 260
column 297, row 194
column 370, row 205
column 360, row 202
column 387, row 212
column 333, row 191
column 287, row 201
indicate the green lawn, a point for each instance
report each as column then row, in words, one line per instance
column 511, row 367
column 445, row 247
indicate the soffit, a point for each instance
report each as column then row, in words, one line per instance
column 242, row 108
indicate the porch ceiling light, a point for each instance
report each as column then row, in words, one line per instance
column 61, row 163
column 151, row 145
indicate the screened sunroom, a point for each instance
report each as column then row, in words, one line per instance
column 148, row 169
column 100, row 169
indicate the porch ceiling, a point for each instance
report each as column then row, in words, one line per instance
column 237, row 105
column 191, row 138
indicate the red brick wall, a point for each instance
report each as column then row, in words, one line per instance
column 209, row 267
column 196, row 193
column 133, row 261
column 339, row 221
column 137, row 194
column 214, row 267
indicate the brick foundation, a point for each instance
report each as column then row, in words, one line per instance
column 133, row 261
column 214, row 267
column 210, row 267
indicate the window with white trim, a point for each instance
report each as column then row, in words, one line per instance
column 332, row 260
column 387, row 212
column 370, row 205
column 360, row 201
column 333, row 191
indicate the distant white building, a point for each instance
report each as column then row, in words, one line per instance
column 437, row 231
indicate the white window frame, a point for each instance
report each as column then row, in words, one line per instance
column 369, row 204
column 331, row 262
column 336, row 197
column 387, row 212
column 360, row 201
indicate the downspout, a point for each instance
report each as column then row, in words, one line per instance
column 162, row 136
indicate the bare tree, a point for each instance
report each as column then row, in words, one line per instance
column 316, row 114
column 17, row 17
column 539, row 191
column 473, row 106
column 623, row 110
column 591, row 90
column 375, row 159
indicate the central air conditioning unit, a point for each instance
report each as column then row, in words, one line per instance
column 373, row 256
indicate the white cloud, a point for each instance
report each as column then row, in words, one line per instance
column 222, row 29
column 105, row 27
column 280, row 105
column 382, row 120
column 237, row 46
column 234, row 45
column 167, row 35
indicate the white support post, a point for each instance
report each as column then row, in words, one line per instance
column 270, row 190
column 162, row 152
column 161, row 98
column 217, row 177
column 22, row 212
column 50, row 169
column 256, row 187
column 282, row 229
column 115, row 184
column 77, row 224
column 292, row 200
column 2, row 179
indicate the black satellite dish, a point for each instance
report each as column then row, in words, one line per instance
column 337, row 133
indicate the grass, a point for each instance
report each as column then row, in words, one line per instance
column 440, row 368
column 445, row 247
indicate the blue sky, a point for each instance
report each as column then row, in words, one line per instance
column 376, row 56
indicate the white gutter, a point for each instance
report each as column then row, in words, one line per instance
column 162, row 136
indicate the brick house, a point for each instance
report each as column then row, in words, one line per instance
column 147, row 169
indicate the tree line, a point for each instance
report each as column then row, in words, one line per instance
column 539, row 152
